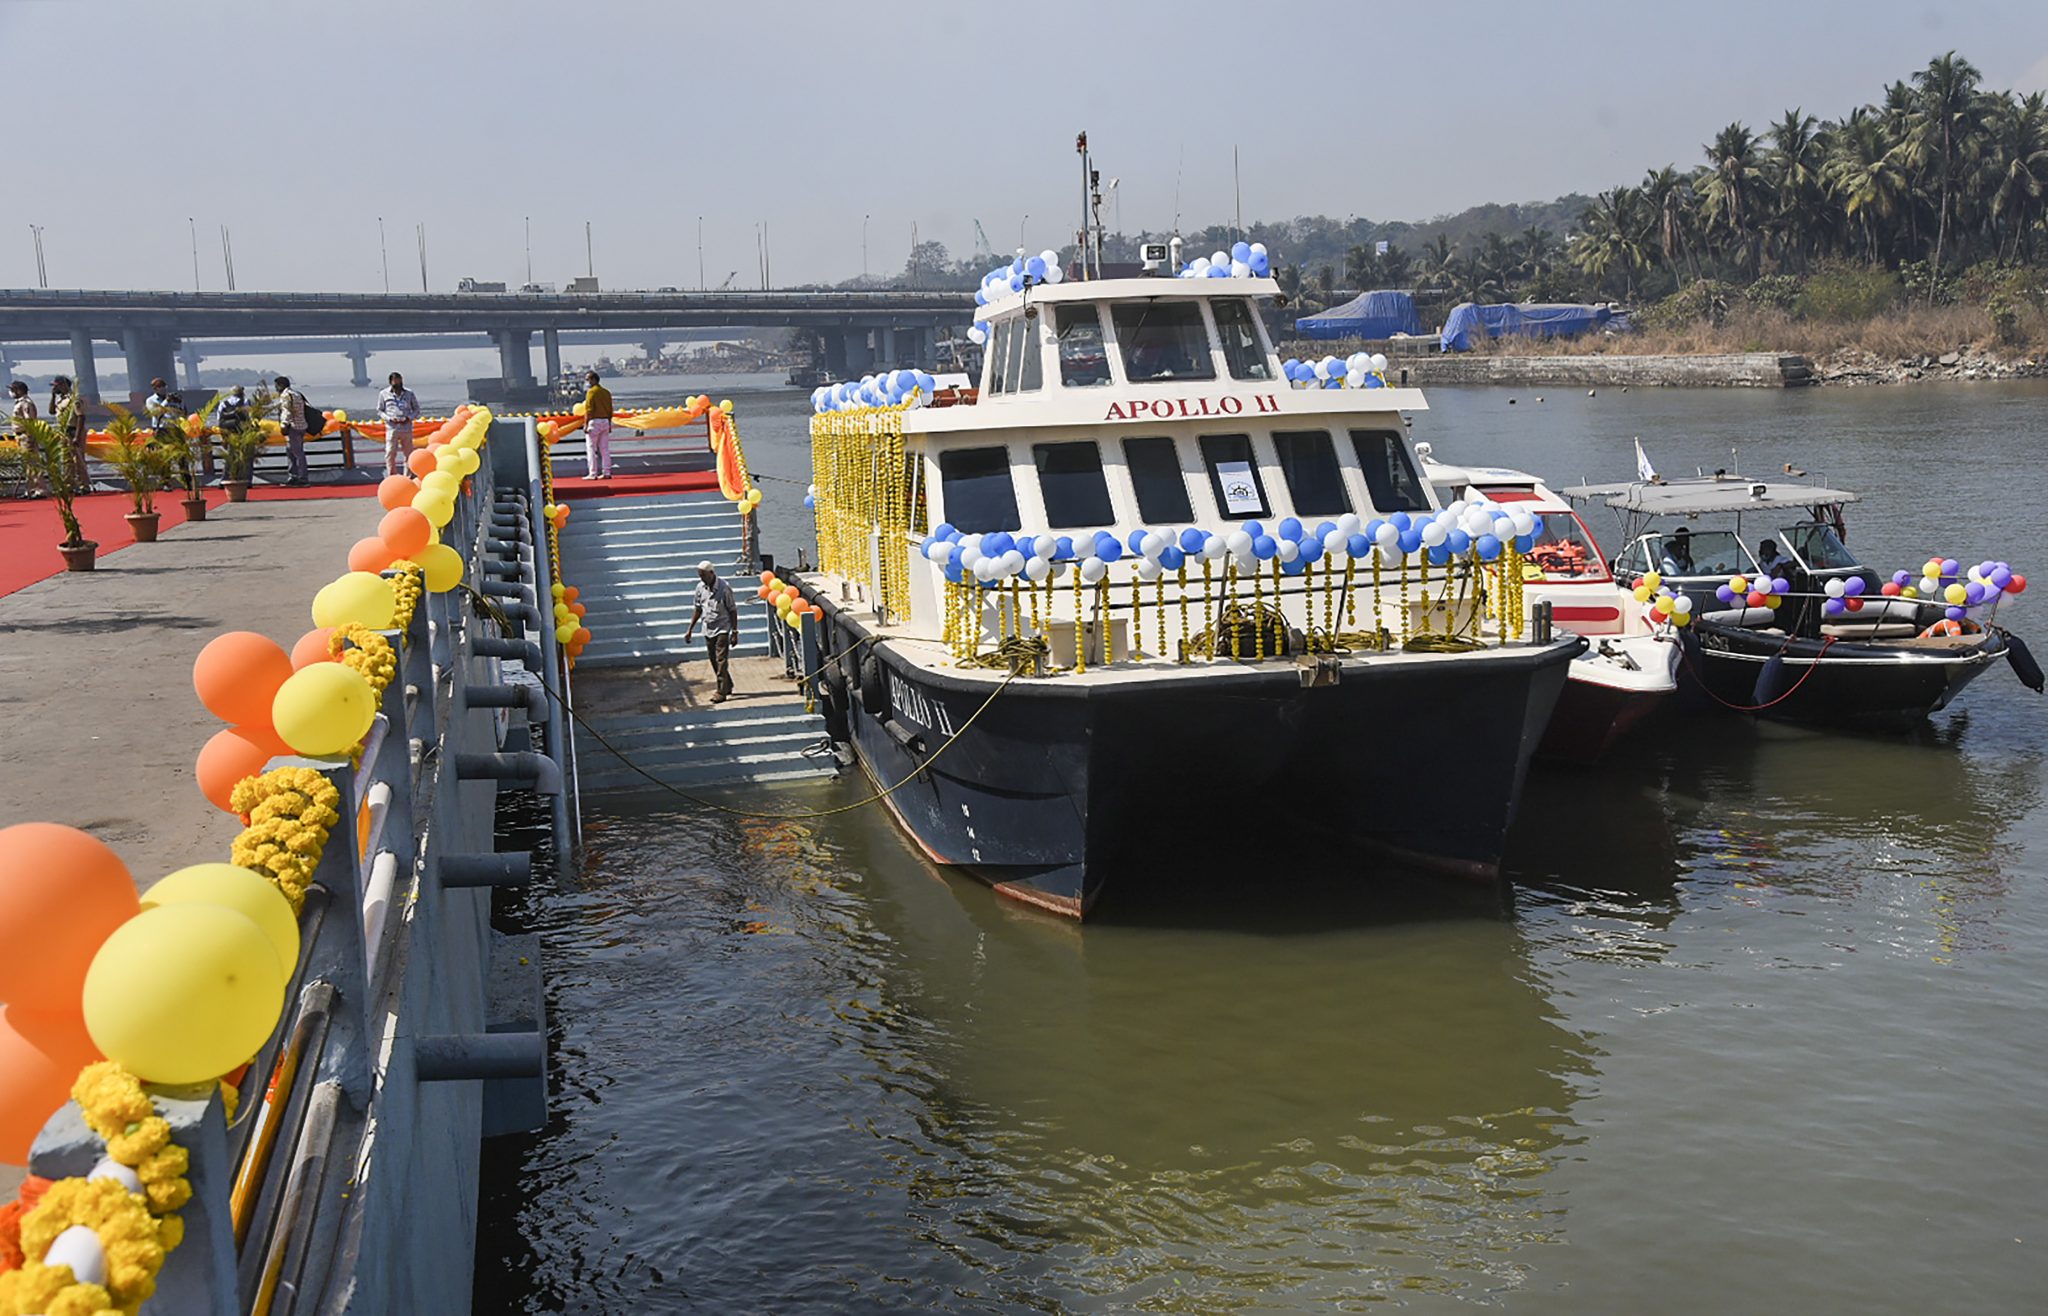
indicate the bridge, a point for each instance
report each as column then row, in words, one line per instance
column 859, row 330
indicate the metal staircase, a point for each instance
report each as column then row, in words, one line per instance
column 634, row 560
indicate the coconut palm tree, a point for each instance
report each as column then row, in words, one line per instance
column 1615, row 235
column 1669, row 196
column 1945, row 124
column 1792, row 170
column 1439, row 260
column 2018, row 179
column 1536, row 249
column 1865, row 178
column 1728, row 194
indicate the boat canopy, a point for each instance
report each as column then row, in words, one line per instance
column 1707, row 497
column 1381, row 313
column 1468, row 322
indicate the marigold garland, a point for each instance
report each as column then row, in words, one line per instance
column 406, row 588
column 117, row 1109
column 290, row 811
column 372, row 656
column 133, row 1240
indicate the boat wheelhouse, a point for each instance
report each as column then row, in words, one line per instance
column 1139, row 585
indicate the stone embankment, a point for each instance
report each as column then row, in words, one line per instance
column 1853, row 366
column 1730, row 370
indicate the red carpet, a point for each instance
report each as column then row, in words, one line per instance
column 627, row 486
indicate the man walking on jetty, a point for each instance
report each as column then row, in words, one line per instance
column 720, row 612
column 291, row 416
column 597, row 428
column 398, row 408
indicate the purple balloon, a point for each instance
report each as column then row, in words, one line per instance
column 1853, row 586
column 2001, row 576
column 1781, row 586
column 1953, row 613
column 1723, row 593
column 1974, row 593
column 1834, row 607
column 1902, row 578
column 1949, row 566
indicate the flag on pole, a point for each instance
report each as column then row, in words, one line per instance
column 1644, row 471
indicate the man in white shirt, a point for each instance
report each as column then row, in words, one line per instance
column 720, row 612
column 291, row 416
column 398, row 408
column 158, row 400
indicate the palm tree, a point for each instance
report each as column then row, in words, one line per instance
column 1537, row 248
column 2019, row 168
column 1439, row 259
column 1945, row 122
column 1499, row 259
column 1669, row 196
column 1864, row 176
column 1473, row 281
column 1614, row 234
column 1793, row 169
column 1728, row 195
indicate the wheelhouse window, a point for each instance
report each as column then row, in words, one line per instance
column 1163, row 340
column 1234, row 476
column 1070, row 479
column 1390, row 474
column 999, row 358
column 1308, row 462
column 1685, row 553
column 980, row 496
column 1818, row 547
column 1563, row 551
column 1084, row 360
column 1028, row 374
column 1239, row 330
column 1156, row 476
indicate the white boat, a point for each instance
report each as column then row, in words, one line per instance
column 1139, row 594
column 1630, row 666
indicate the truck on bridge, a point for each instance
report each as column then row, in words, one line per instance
column 479, row 285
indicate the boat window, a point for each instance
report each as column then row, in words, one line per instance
column 1242, row 349
column 998, row 358
column 1308, row 460
column 1390, row 474
column 1156, row 475
column 1029, row 373
column 1163, row 340
column 1564, row 551
column 1070, row 478
column 979, row 494
column 1084, row 361
column 913, row 485
column 1817, row 547
column 1234, row 476
column 1687, row 553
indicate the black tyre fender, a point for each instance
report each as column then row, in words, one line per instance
column 874, row 688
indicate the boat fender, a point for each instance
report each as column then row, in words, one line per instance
column 874, row 690
column 1770, row 682
column 2023, row 663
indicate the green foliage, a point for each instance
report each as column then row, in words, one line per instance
column 1848, row 292
column 241, row 446
column 50, row 455
column 1773, row 292
column 1705, row 301
column 143, row 465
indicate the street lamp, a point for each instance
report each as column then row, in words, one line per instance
column 193, row 226
column 700, row 253
column 384, row 255
column 1021, row 243
column 864, row 247
column 42, row 270
column 529, row 249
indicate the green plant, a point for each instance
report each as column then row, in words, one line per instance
column 1848, row 292
column 50, row 455
column 1705, row 301
column 240, row 446
column 1924, row 283
column 1773, row 292
column 141, row 463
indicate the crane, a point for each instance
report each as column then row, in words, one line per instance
column 728, row 281
column 982, row 248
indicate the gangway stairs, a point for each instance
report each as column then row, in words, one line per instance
column 641, row 688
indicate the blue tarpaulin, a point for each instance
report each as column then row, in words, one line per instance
column 1380, row 314
column 1536, row 320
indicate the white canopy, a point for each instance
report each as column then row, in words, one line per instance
column 1706, row 496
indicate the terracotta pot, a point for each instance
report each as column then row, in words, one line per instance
column 79, row 557
column 143, row 525
column 195, row 508
column 238, row 490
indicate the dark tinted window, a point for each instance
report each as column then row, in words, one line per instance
column 998, row 358
column 1030, row 371
column 1390, row 474
column 1070, row 478
column 1163, row 340
column 1156, row 475
column 1240, row 335
column 1234, row 476
column 1083, row 361
column 1308, row 460
column 979, row 495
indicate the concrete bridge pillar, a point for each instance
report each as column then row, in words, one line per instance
column 551, row 353
column 860, row 353
column 651, row 348
column 359, row 360
column 832, row 355
column 149, row 356
column 6, row 363
column 515, row 357
column 887, row 345
column 85, row 373
column 188, row 359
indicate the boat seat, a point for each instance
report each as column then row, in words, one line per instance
column 1740, row 616
column 1870, row 630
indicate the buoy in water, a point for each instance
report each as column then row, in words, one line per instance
column 1590, row 393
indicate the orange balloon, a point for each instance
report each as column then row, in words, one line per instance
column 237, row 675
column 570, row 594
column 231, row 755
column 311, row 648
column 763, row 592
column 579, row 609
column 767, row 578
column 41, row 1052
column 405, row 531
column 421, row 461
column 370, row 554
column 62, row 893
column 397, row 491
column 580, row 638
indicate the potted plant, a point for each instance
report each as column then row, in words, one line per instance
column 240, row 446
column 180, row 449
column 49, row 455
column 143, row 466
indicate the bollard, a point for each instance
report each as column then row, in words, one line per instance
column 507, row 589
column 529, row 697
column 494, row 646
column 457, row 1057
column 513, row 765
column 514, row 868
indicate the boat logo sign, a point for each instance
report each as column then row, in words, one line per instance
column 1264, row 404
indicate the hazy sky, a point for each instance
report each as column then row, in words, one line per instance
column 642, row 116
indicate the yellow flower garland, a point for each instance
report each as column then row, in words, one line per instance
column 406, row 588
column 134, row 1243
column 372, row 658
column 119, row 1111
column 289, row 812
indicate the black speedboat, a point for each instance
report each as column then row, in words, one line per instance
column 1812, row 635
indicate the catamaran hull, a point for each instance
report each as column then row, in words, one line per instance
column 1058, row 790
column 1846, row 684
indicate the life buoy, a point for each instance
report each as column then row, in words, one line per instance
column 1948, row 626
column 874, row 690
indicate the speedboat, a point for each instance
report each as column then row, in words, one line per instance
column 1811, row 634
column 1146, row 589
column 1630, row 666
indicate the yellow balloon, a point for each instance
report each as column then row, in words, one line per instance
column 1956, row 595
column 323, row 709
column 362, row 597
column 562, row 612
column 578, row 409
column 440, row 566
column 566, row 631
column 448, row 458
column 1642, row 593
column 558, row 589
column 439, row 481
column 341, row 416
column 547, row 429
column 184, row 992
column 238, row 889
column 726, row 406
column 1653, row 579
column 439, row 511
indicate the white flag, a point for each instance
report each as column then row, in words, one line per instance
column 1644, row 471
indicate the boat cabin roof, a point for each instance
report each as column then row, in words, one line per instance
column 1708, row 496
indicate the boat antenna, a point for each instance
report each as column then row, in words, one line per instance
column 1178, row 167
column 1237, row 187
column 1081, row 149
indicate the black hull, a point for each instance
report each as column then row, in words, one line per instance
column 1844, row 684
column 1592, row 718
column 1060, row 789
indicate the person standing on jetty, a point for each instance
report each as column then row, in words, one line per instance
column 398, row 408
column 720, row 612
column 291, row 416
column 597, row 428
column 159, row 397
column 23, row 407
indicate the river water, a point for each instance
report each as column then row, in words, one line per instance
column 1757, row 1024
